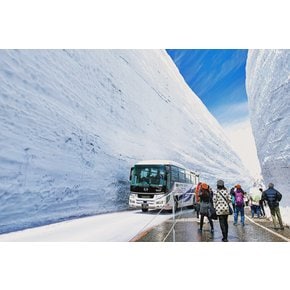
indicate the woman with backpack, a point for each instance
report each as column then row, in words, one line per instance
column 205, row 196
column 221, row 201
column 239, row 205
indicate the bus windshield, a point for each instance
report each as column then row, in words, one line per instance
column 151, row 175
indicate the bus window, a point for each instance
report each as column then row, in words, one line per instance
column 182, row 175
column 157, row 176
column 192, row 178
column 187, row 175
column 144, row 175
column 174, row 174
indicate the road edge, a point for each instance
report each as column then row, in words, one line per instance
column 267, row 229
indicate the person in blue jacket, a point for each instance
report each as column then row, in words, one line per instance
column 273, row 196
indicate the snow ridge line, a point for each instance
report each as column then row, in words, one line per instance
column 140, row 235
column 265, row 228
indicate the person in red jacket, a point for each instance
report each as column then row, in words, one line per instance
column 197, row 199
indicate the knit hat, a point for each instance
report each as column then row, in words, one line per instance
column 220, row 183
column 271, row 185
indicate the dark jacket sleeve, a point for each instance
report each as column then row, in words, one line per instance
column 278, row 195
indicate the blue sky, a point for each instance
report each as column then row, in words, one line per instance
column 217, row 76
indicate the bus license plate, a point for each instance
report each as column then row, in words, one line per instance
column 145, row 205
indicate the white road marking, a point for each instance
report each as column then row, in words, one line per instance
column 274, row 233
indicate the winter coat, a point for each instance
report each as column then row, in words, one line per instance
column 220, row 204
column 196, row 193
column 205, row 200
column 232, row 194
column 270, row 195
column 205, row 195
column 255, row 195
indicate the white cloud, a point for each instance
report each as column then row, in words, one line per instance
column 242, row 140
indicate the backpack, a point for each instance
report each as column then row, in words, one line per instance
column 204, row 192
column 239, row 197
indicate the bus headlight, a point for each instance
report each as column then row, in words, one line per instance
column 132, row 197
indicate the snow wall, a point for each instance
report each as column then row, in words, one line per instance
column 268, row 89
column 73, row 122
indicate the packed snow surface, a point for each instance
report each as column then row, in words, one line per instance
column 111, row 227
column 73, row 122
column 268, row 89
column 122, row 226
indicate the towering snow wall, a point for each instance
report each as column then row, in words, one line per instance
column 268, row 89
column 74, row 122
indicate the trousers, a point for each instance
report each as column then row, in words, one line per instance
column 223, row 220
column 275, row 211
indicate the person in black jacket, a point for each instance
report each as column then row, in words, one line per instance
column 273, row 196
column 232, row 193
column 262, row 203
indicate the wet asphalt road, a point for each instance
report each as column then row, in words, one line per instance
column 186, row 230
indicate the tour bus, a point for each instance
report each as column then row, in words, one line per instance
column 156, row 184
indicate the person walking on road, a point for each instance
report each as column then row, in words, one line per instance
column 246, row 198
column 232, row 193
column 205, row 200
column 255, row 197
column 221, row 200
column 273, row 196
column 262, row 203
column 197, row 199
column 239, row 205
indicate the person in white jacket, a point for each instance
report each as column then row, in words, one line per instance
column 255, row 197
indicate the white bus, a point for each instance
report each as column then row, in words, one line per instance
column 156, row 184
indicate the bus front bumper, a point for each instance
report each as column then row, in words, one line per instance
column 157, row 202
